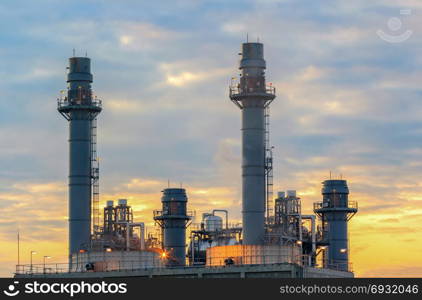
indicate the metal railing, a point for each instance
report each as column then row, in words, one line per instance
column 340, row 266
column 231, row 225
column 42, row 269
column 124, row 266
column 81, row 267
column 238, row 90
column 63, row 102
column 350, row 204
column 160, row 213
column 249, row 260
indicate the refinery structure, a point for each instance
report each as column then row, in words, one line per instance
column 274, row 239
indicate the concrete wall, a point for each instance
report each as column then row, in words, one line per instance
column 325, row 273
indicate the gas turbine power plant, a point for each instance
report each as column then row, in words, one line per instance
column 274, row 240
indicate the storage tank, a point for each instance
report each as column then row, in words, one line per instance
column 291, row 193
column 213, row 223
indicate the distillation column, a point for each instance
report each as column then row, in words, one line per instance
column 80, row 109
column 335, row 211
column 252, row 96
column 173, row 219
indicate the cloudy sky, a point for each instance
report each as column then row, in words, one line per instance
column 347, row 101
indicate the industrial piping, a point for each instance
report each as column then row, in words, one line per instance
column 252, row 96
column 80, row 109
column 226, row 212
column 313, row 236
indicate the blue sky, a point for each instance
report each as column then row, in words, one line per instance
column 347, row 101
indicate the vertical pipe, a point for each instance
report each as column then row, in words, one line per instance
column 225, row 211
column 313, row 232
column 127, row 236
column 142, row 233
column 19, row 259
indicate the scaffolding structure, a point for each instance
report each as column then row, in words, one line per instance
column 288, row 216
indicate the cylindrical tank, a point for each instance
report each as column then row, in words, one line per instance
column 79, row 109
column 253, row 97
column 213, row 223
column 291, row 193
column 122, row 202
column 109, row 217
column 173, row 219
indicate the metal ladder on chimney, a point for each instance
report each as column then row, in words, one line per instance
column 268, row 169
column 95, row 174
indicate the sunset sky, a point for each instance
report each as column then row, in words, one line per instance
column 347, row 102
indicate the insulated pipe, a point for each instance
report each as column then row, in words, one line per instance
column 313, row 231
column 142, row 226
column 224, row 211
column 128, row 225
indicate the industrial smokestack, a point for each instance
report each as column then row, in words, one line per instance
column 173, row 219
column 252, row 96
column 335, row 211
column 80, row 109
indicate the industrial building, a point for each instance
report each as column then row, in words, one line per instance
column 274, row 240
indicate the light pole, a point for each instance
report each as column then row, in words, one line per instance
column 32, row 253
column 45, row 257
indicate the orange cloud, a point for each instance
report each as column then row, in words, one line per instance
column 387, row 235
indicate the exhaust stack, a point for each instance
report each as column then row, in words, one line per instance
column 80, row 109
column 253, row 96
column 335, row 211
